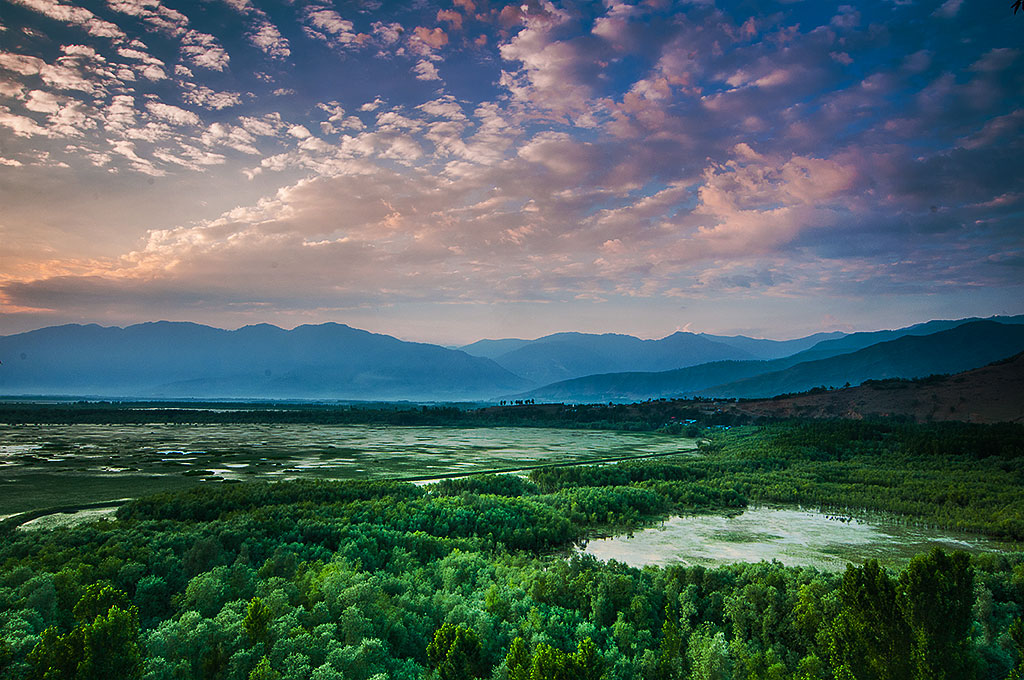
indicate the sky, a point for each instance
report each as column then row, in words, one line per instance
column 450, row 171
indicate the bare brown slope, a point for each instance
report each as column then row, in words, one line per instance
column 991, row 394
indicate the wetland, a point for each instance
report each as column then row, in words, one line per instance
column 53, row 465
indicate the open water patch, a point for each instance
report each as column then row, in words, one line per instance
column 792, row 536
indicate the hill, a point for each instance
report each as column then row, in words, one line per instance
column 964, row 347
column 163, row 359
column 563, row 356
column 772, row 349
column 822, row 364
column 991, row 394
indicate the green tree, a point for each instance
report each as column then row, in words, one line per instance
column 455, row 652
column 870, row 639
column 708, row 654
column 264, row 671
column 671, row 659
column 518, row 660
column 257, row 618
column 1017, row 637
column 938, row 591
column 97, row 599
column 106, row 647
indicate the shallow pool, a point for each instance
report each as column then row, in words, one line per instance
column 795, row 537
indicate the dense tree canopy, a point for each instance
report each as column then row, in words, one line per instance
column 476, row 577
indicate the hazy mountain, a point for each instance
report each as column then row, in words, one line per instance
column 166, row 359
column 855, row 341
column 638, row 386
column 569, row 355
column 991, row 394
column 964, row 347
column 795, row 373
column 772, row 349
column 494, row 348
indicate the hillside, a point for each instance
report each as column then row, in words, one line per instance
column 968, row 346
column 564, row 356
column 829, row 363
column 327, row 361
column 991, row 394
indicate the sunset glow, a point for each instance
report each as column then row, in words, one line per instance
column 448, row 171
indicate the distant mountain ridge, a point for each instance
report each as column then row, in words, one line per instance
column 334, row 361
column 958, row 349
column 165, row 359
column 564, row 356
column 798, row 372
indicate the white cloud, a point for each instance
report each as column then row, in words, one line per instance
column 172, row 114
column 424, row 70
column 268, row 125
column 165, row 20
column 127, row 149
column 75, row 16
column 21, row 125
column 21, row 64
column 757, row 203
column 552, row 76
column 10, row 88
column 71, row 119
column 204, row 51
column 996, row 60
column 42, row 102
column 239, row 139
column 208, row 99
column 268, row 38
column 388, row 34
column 120, row 113
column 327, row 25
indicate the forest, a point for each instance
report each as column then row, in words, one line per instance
column 479, row 577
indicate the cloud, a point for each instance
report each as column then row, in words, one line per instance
column 949, row 9
column 10, row 88
column 21, row 64
column 758, row 203
column 451, row 17
column 424, row 70
column 388, row 33
column 425, row 39
column 75, row 16
column 556, row 76
column 327, row 25
column 268, row 38
column 208, row 99
column 237, row 138
column 203, row 50
column 588, row 151
column 172, row 114
column 22, row 126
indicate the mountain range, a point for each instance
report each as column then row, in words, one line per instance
column 184, row 360
column 334, row 361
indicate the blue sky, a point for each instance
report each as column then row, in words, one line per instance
column 457, row 170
